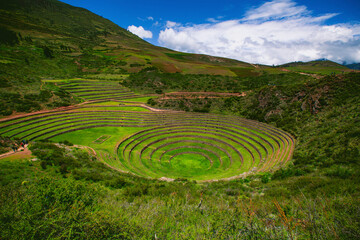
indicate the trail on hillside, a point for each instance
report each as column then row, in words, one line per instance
column 21, row 152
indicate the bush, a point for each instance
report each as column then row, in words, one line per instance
column 48, row 53
column 136, row 65
column 67, row 143
column 287, row 172
column 266, row 178
column 151, row 102
column 8, row 37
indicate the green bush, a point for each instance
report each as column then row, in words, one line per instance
column 284, row 173
column 265, row 178
column 8, row 37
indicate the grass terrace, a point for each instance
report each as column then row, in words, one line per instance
column 156, row 144
column 95, row 90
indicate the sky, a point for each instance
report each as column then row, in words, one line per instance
column 256, row 31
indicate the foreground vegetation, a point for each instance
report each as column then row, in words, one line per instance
column 67, row 194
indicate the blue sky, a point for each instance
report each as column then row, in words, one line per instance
column 268, row 32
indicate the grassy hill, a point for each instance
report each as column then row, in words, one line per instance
column 45, row 39
column 59, row 40
column 319, row 67
column 97, row 43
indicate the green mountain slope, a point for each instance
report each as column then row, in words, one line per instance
column 86, row 42
column 355, row 66
column 319, row 66
column 50, row 39
column 77, row 34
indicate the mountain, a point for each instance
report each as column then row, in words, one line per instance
column 77, row 34
column 47, row 39
column 78, row 41
column 322, row 66
column 50, row 39
column 355, row 66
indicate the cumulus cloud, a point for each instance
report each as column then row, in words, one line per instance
column 140, row 31
column 277, row 32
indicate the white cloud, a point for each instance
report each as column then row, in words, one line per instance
column 170, row 24
column 277, row 32
column 140, row 31
column 150, row 18
column 276, row 9
column 213, row 20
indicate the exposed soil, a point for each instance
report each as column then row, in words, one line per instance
column 155, row 109
column 25, row 153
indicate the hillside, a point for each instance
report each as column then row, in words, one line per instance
column 355, row 66
column 58, row 40
column 46, row 39
column 75, row 33
column 319, row 66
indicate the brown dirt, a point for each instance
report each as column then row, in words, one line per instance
column 155, row 109
column 25, row 153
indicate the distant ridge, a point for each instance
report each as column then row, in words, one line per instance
column 355, row 66
column 319, row 62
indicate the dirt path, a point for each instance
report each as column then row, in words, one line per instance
column 303, row 73
column 155, row 109
column 25, row 153
column 311, row 75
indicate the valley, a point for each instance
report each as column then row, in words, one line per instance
column 232, row 146
column 106, row 136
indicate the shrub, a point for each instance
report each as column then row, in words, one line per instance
column 151, row 102
column 48, row 53
column 340, row 172
column 287, row 172
column 67, row 143
column 136, row 65
column 8, row 37
column 266, row 178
